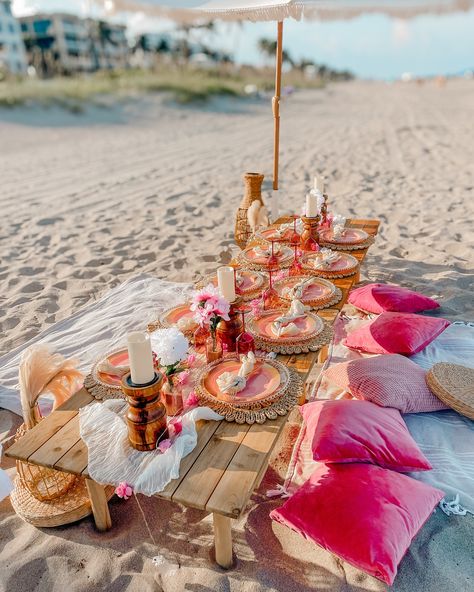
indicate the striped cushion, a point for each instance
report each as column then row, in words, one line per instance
column 387, row 380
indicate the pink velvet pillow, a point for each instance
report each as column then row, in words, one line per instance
column 380, row 298
column 359, row 431
column 366, row 515
column 388, row 381
column 396, row 333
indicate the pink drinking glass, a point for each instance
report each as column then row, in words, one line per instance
column 245, row 342
column 295, row 237
column 273, row 259
column 270, row 295
column 296, row 268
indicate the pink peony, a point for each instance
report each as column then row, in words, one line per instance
column 192, row 400
column 164, row 445
column 124, row 490
column 175, row 428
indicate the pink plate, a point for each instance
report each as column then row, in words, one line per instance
column 264, row 381
column 175, row 314
column 344, row 263
column 270, row 233
column 351, row 236
column 119, row 358
column 251, row 280
column 252, row 255
column 318, row 290
column 309, row 326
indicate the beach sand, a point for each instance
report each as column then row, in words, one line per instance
column 90, row 200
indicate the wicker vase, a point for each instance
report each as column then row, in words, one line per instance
column 253, row 191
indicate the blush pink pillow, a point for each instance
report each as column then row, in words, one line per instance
column 388, row 381
column 366, row 515
column 396, row 333
column 359, row 431
column 378, row 298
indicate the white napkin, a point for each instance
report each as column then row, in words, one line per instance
column 298, row 289
column 284, row 325
column 186, row 324
column 107, row 368
column 267, row 251
column 232, row 383
column 325, row 258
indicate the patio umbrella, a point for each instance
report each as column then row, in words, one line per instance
column 278, row 10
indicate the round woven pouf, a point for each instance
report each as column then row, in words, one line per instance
column 454, row 385
column 70, row 507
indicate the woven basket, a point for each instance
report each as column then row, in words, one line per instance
column 253, row 191
column 454, row 386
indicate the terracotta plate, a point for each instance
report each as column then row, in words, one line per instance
column 309, row 326
column 119, row 358
column 264, row 381
column 251, row 281
column 171, row 316
column 351, row 236
column 319, row 290
column 344, row 263
column 270, row 233
column 252, row 255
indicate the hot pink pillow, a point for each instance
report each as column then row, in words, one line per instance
column 366, row 515
column 396, row 333
column 388, row 381
column 358, row 431
column 380, row 298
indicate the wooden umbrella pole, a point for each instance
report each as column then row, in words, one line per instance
column 276, row 104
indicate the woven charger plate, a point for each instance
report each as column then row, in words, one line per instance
column 347, row 247
column 260, row 411
column 291, row 344
column 346, row 266
column 454, row 386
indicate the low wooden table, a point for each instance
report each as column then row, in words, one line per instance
column 218, row 476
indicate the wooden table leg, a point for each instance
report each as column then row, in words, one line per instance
column 100, row 508
column 223, row 540
column 323, row 354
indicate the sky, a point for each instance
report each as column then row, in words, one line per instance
column 371, row 46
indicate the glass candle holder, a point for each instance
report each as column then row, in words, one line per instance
column 213, row 349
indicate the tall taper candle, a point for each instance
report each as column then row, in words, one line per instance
column 140, row 357
column 311, row 206
column 226, row 282
column 319, row 184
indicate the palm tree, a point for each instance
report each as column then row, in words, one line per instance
column 269, row 48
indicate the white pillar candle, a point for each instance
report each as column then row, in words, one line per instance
column 226, row 282
column 311, row 206
column 140, row 357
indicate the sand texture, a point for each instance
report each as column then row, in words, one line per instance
column 88, row 201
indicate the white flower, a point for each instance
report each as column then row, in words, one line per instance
column 338, row 220
column 170, row 346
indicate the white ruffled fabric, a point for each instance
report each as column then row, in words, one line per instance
column 111, row 458
column 96, row 329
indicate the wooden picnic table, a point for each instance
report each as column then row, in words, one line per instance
column 218, row 476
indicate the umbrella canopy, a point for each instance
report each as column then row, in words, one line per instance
column 278, row 10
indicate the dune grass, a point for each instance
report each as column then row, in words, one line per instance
column 184, row 84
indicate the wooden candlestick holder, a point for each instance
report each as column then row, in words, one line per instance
column 228, row 331
column 310, row 235
column 146, row 415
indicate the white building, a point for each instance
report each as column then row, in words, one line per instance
column 12, row 51
column 63, row 43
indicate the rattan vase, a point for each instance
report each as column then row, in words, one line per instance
column 253, row 192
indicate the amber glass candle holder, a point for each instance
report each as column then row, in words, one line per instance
column 310, row 235
column 213, row 348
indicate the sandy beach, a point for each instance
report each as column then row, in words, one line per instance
column 90, row 200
